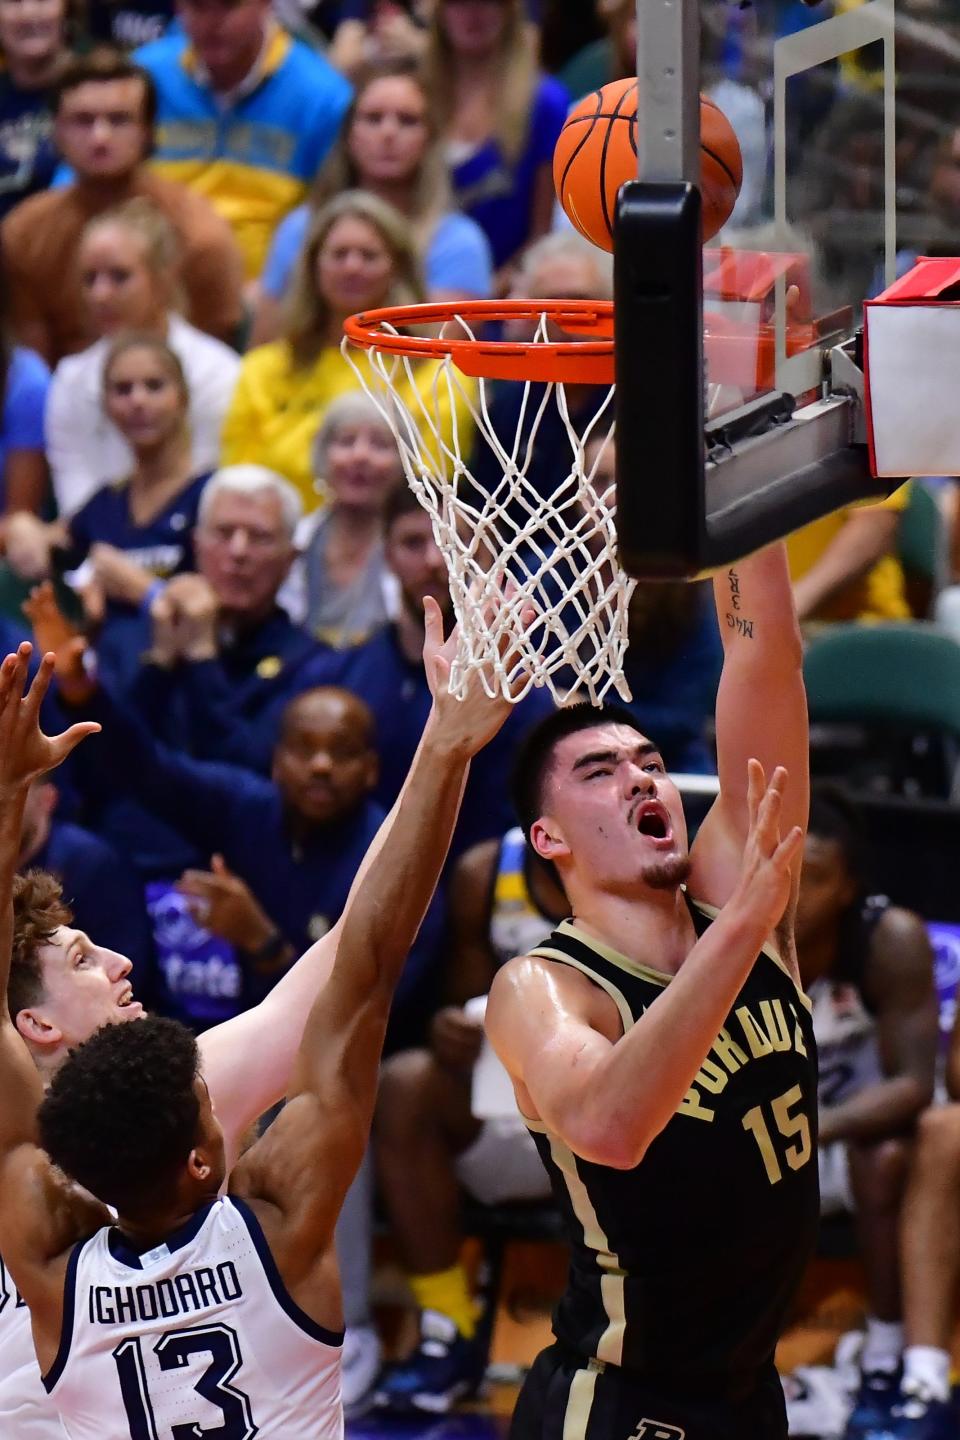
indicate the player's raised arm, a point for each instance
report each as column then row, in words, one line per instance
column 31, row 1231
column 306, row 1161
column 761, row 712
column 25, row 753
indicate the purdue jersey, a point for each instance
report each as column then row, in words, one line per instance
column 197, row 1337
column 682, row 1268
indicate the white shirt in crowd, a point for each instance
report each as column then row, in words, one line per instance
column 86, row 451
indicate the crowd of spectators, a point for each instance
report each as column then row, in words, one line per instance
column 206, row 518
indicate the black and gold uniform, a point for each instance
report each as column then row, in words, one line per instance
column 682, row 1268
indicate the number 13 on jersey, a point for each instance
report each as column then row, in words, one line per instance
column 791, row 1137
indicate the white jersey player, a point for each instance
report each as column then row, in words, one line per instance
column 128, row 1117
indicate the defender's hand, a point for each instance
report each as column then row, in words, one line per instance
column 25, row 752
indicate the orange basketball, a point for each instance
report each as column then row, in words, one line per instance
column 597, row 153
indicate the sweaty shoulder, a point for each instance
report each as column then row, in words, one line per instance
column 542, row 991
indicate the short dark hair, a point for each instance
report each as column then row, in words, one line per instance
column 39, row 910
column 100, row 65
column 834, row 816
column 121, row 1114
column 533, row 756
column 401, row 501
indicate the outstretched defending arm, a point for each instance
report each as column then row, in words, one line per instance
column 761, row 713
column 306, row 1161
column 39, row 1214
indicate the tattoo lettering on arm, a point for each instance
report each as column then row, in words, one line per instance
column 736, row 621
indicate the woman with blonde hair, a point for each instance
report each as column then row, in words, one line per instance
column 390, row 146
column 128, row 262
column 360, row 254
column 500, row 117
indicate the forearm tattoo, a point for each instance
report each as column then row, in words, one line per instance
column 736, row 621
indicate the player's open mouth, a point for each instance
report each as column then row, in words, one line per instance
column 127, row 1002
column 653, row 821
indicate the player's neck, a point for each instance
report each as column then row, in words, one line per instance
column 144, row 1234
column 654, row 929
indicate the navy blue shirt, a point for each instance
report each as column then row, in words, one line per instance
column 198, row 706
column 674, row 694
column 27, row 156
column 104, row 893
column 164, row 547
column 302, row 884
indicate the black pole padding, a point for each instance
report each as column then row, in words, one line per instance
column 658, row 285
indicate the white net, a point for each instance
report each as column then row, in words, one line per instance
column 559, row 549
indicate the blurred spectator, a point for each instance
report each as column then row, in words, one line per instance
column 104, row 893
column 389, row 146
column 501, row 118
column 103, row 119
column 562, row 266
column 360, row 253
column 341, row 585
column 128, row 276
column 611, row 57
column 503, row 901
column 220, row 642
column 930, row 1267
column 33, row 43
column 245, row 114
column 566, row 30
column 372, row 32
column 844, row 566
column 125, row 24
column 24, row 386
column 868, row 970
column 284, row 852
column 133, row 535
column 387, row 674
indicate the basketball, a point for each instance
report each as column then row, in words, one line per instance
column 597, row 153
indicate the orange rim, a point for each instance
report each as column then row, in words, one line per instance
column 586, row 361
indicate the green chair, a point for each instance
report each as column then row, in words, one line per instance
column 922, row 548
column 899, row 686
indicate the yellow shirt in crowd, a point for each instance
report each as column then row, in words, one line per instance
column 277, row 409
column 880, row 595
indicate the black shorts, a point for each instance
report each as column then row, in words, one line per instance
column 565, row 1399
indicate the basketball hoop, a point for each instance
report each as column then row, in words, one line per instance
column 559, row 549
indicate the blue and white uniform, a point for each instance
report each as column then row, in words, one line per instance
column 196, row 1337
column 25, row 1411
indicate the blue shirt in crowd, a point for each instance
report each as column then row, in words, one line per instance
column 498, row 193
column 163, row 546
column 457, row 258
column 24, row 400
column 27, row 155
column 301, row 882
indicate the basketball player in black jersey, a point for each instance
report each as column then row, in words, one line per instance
column 662, row 1051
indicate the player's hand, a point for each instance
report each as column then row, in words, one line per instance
column 469, row 723
column 54, row 634
column 455, row 1038
column 225, row 905
column 25, row 752
column 763, row 890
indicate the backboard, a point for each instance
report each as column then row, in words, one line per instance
column 738, row 366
